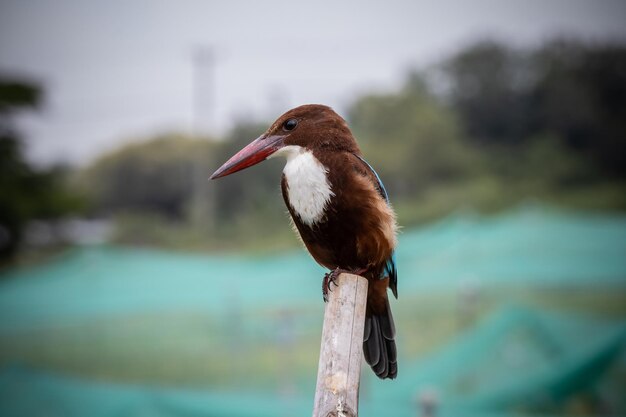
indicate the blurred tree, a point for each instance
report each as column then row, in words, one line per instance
column 160, row 187
column 155, row 176
column 490, row 88
column 27, row 192
column 567, row 91
column 411, row 138
column 580, row 94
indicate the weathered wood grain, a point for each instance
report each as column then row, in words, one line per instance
column 339, row 371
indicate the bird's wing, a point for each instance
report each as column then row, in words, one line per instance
column 390, row 265
column 379, row 184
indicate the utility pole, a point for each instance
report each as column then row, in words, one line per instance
column 203, row 90
column 203, row 209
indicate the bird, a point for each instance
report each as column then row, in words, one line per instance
column 340, row 209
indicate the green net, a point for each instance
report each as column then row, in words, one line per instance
column 124, row 331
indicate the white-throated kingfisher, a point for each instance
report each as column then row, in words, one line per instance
column 340, row 208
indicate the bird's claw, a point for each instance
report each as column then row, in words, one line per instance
column 330, row 278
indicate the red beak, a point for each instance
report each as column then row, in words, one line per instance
column 256, row 151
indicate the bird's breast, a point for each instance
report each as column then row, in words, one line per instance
column 309, row 191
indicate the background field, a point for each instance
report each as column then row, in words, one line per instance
column 535, row 320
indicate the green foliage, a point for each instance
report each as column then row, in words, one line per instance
column 411, row 139
column 158, row 192
column 489, row 89
column 27, row 192
column 575, row 92
column 157, row 176
column 15, row 95
column 582, row 96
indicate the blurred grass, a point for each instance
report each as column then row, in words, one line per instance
column 250, row 349
column 492, row 195
column 267, row 229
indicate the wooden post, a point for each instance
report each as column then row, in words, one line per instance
column 339, row 371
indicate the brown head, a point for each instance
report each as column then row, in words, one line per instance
column 312, row 126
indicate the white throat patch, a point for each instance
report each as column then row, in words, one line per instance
column 309, row 190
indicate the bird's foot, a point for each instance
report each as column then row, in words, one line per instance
column 331, row 278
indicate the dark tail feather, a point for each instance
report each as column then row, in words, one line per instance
column 379, row 346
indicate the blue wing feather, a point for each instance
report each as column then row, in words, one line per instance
column 390, row 265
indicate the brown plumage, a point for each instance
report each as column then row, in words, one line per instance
column 339, row 208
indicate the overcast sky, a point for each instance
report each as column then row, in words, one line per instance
column 121, row 70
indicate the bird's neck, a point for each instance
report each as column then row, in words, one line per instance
column 309, row 191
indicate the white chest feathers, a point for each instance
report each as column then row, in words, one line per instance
column 307, row 183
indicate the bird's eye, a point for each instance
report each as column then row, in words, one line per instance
column 290, row 124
